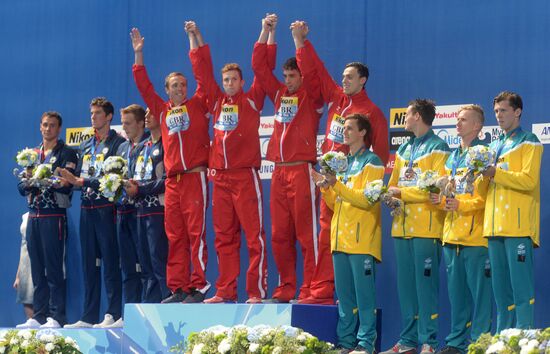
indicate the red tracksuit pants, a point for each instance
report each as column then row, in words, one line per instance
column 293, row 217
column 185, row 212
column 237, row 205
column 322, row 283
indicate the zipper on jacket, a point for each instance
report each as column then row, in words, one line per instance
column 519, row 218
column 494, row 201
column 430, row 228
column 472, row 226
column 357, row 232
column 281, row 142
column 337, row 225
column 404, row 216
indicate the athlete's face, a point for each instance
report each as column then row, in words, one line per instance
column 293, row 80
column 49, row 128
column 507, row 116
column 100, row 120
column 177, row 89
column 468, row 123
column 150, row 122
column 352, row 134
column 352, row 83
column 131, row 126
column 411, row 119
column 232, row 82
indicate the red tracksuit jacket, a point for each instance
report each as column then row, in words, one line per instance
column 341, row 105
column 297, row 115
column 185, row 128
column 236, row 142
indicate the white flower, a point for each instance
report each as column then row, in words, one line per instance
column 217, row 330
column 49, row 347
column 290, row 331
column 523, row 341
column 197, row 349
column 301, row 349
column 252, row 348
column 510, row 332
column 69, row 340
column 495, row 347
column 301, row 337
column 2, row 349
column 26, row 334
column 14, row 341
column 533, row 343
column 277, row 350
column 225, row 346
column 25, row 344
column 27, row 157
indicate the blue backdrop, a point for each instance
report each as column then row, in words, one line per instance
column 57, row 55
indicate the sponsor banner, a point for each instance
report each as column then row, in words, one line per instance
column 266, row 125
column 390, row 164
column 266, row 169
column 397, row 117
column 542, row 131
column 75, row 136
column 488, row 134
column 399, row 138
column 444, row 115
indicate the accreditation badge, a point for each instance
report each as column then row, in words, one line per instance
column 177, row 120
column 336, row 132
column 228, row 118
column 287, row 110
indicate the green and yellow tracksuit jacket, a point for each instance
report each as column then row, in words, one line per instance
column 419, row 217
column 356, row 224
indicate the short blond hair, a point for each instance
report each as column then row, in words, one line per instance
column 136, row 110
column 476, row 108
column 171, row 75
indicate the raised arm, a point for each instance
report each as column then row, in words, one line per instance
column 263, row 57
column 143, row 83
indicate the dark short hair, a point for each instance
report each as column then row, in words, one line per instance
column 426, row 109
column 171, row 75
column 361, row 68
column 513, row 99
column 363, row 122
column 291, row 64
column 105, row 104
column 52, row 114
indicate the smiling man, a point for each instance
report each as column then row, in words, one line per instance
column 184, row 129
column 47, row 229
column 512, row 214
column 343, row 100
column 234, row 163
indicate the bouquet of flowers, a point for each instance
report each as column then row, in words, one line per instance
column 115, row 164
column 260, row 339
column 513, row 341
column 32, row 341
column 478, row 159
column 32, row 174
column 333, row 162
column 110, row 186
column 375, row 191
column 27, row 157
column 112, row 180
column 427, row 181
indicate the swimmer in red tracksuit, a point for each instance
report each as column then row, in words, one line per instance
column 184, row 128
column 234, row 163
column 342, row 101
column 293, row 149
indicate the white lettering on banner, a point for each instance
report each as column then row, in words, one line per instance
column 450, row 135
column 542, row 131
column 266, row 125
column 399, row 140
